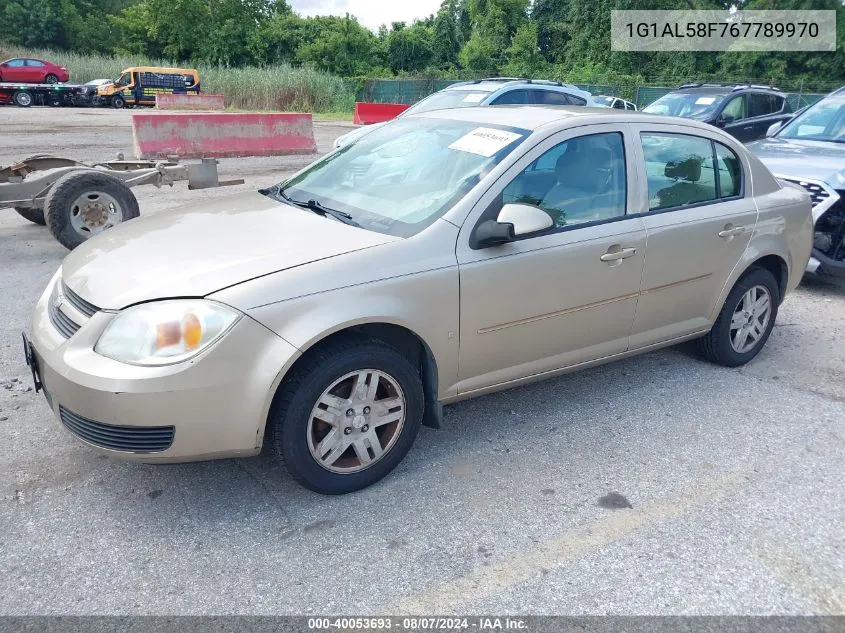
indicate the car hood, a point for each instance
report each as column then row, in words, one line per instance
column 814, row 160
column 205, row 247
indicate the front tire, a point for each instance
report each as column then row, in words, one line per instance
column 745, row 322
column 82, row 204
column 118, row 102
column 347, row 415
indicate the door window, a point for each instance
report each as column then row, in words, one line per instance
column 619, row 104
column 761, row 104
column 578, row 181
column 514, row 97
column 15, row 63
column 729, row 172
column 550, row 97
column 630, row 106
column 34, row 62
column 736, row 108
column 679, row 168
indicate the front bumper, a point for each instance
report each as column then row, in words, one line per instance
column 823, row 266
column 211, row 406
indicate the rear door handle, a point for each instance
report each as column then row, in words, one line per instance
column 617, row 253
column 731, row 231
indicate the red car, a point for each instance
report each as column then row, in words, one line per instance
column 32, row 71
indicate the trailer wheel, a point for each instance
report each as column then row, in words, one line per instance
column 118, row 102
column 54, row 100
column 32, row 214
column 23, row 98
column 85, row 203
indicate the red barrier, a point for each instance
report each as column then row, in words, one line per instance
column 202, row 101
column 367, row 113
column 195, row 135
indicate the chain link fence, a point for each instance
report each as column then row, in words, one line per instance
column 412, row 90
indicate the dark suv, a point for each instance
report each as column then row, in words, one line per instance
column 744, row 111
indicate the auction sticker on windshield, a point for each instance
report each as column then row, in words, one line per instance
column 705, row 100
column 484, row 141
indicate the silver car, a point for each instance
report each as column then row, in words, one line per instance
column 445, row 256
column 488, row 92
column 810, row 151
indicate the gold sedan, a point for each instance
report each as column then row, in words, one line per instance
column 444, row 256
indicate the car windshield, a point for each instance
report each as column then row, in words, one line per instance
column 825, row 121
column 402, row 177
column 689, row 105
column 603, row 102
column 446, row 99
column 123, row 81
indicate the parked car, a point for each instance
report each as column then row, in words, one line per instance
column 444, row 256
column 744, row 111
column 33, row 71
column 484, row 92
column 603, row 101
column 139, row 86
column 89, row 93
column 810, row 151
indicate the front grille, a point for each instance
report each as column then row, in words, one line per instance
column 132, row 439
column 85, row 307
column 62, row 322
column 818, row 194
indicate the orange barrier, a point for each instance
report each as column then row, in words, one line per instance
column 198, row 135
column 202, row 101
column 367, row 113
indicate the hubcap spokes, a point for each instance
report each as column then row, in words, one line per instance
column 751, row 319
column 356, row 421
column 94, row 212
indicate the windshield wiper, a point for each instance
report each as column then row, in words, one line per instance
column 315, row 206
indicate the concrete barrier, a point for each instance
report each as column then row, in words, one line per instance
column 169, row 101
column 367, row 113
column 197, row 135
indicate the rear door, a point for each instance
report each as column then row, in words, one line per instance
column 35, row 70
column 699, row 217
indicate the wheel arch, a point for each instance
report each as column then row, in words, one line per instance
column 410, row 344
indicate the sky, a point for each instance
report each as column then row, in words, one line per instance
column 370, row 13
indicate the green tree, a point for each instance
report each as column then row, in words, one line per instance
column 409, row 48
column 523, row 55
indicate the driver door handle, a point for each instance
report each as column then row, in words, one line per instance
column 729, row 231
column 615, row 254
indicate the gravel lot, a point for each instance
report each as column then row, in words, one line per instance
column 736, row 477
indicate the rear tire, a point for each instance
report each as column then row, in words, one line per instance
column 23, row 98
column 51, row 79
column 36, row 216
column 330, row 374
column 740, row 331
column 84, row 203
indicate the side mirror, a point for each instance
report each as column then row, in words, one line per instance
column 513, row 220
column 525, row 218
column 724, row 119
column 773, row 128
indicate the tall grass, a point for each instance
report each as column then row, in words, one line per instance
column 281, row 87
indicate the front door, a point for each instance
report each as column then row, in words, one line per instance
column 565, row 295
column 699, row 220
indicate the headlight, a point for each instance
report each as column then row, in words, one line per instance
column 165, row 332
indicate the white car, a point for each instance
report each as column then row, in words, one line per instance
column 492, row 91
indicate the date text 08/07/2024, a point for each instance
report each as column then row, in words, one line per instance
column 418, row 624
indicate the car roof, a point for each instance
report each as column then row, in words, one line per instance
column 534, row 117
column 724, row 89
column 493, row 84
